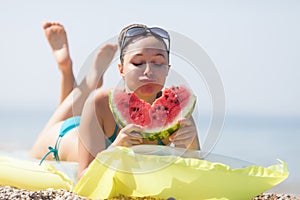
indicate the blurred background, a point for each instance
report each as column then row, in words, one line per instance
column 254, row 45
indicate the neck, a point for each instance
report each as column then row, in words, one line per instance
column 148, row 99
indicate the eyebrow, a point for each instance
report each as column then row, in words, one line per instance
column 156, row 55
column 159, row 54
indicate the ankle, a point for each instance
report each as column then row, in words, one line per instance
column 66, row 67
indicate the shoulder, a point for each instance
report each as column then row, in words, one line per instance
column 100, row 94
column 101, row 99
column 98, row 99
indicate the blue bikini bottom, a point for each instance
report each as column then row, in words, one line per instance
column 68, row 125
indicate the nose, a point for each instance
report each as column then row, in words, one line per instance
column 148, row 71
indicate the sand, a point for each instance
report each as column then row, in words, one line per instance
column 8, row 193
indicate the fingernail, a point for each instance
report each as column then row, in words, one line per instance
column 180, row 120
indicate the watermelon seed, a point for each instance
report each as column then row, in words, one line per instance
column 135, row 109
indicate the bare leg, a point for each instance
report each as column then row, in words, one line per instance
column 72, row 106
column 57, row 38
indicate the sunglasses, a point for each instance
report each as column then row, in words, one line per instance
column 137, row 31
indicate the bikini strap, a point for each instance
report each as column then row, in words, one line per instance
column 53, row 150
column 114, row 136
column 67, row 125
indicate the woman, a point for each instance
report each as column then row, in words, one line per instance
column 144, row 66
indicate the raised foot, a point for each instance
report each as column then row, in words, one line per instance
column 57, row 38
column 102, row 60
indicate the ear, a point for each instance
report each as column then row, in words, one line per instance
column 169, row 66
column 121, row 70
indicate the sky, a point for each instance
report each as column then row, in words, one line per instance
column 254, row 45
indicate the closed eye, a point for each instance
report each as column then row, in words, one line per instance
column 137, row 64
column 158, row 64
column 159, row 60
column 137, row 60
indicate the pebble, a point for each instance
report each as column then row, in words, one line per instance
column 270, row 196
column 9, row 193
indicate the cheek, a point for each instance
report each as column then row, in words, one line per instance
column 162, row 75
column 132, row 73
column 131, row 78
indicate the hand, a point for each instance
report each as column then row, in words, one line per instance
column 186, row 135
column 129, row 136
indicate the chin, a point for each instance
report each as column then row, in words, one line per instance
column 149, row 89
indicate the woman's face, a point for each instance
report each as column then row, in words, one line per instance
column 145, row 66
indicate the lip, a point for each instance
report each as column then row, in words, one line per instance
column 146, row 80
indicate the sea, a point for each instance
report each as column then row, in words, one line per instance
column 257, row 139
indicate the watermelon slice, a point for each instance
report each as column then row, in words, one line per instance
column 159, row 119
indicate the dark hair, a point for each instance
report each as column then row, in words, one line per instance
column 121, row 35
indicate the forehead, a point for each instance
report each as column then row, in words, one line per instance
column 148, row 44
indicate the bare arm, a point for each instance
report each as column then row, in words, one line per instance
column 91, row 138
column 92, row 134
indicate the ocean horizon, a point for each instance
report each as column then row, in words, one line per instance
column 254, row 138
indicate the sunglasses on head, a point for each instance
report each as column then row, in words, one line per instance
column 137, row 31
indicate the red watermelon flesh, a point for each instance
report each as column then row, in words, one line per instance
column 139, row 111
column 160, row 118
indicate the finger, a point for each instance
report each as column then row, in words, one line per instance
column 185, row 142
column 180, row 132
column 133, row 128
column 172, row 137
column 185, row 137
column 125, row 144
column 135, row 141
column 132, row 136
column 131, row 141
column 185, row 122
column 135, row 135
column 176, row 134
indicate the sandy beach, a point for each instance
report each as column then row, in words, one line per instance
column 7, row 193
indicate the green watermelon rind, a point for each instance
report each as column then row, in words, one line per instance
column 114, row 110
column 158, row 133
